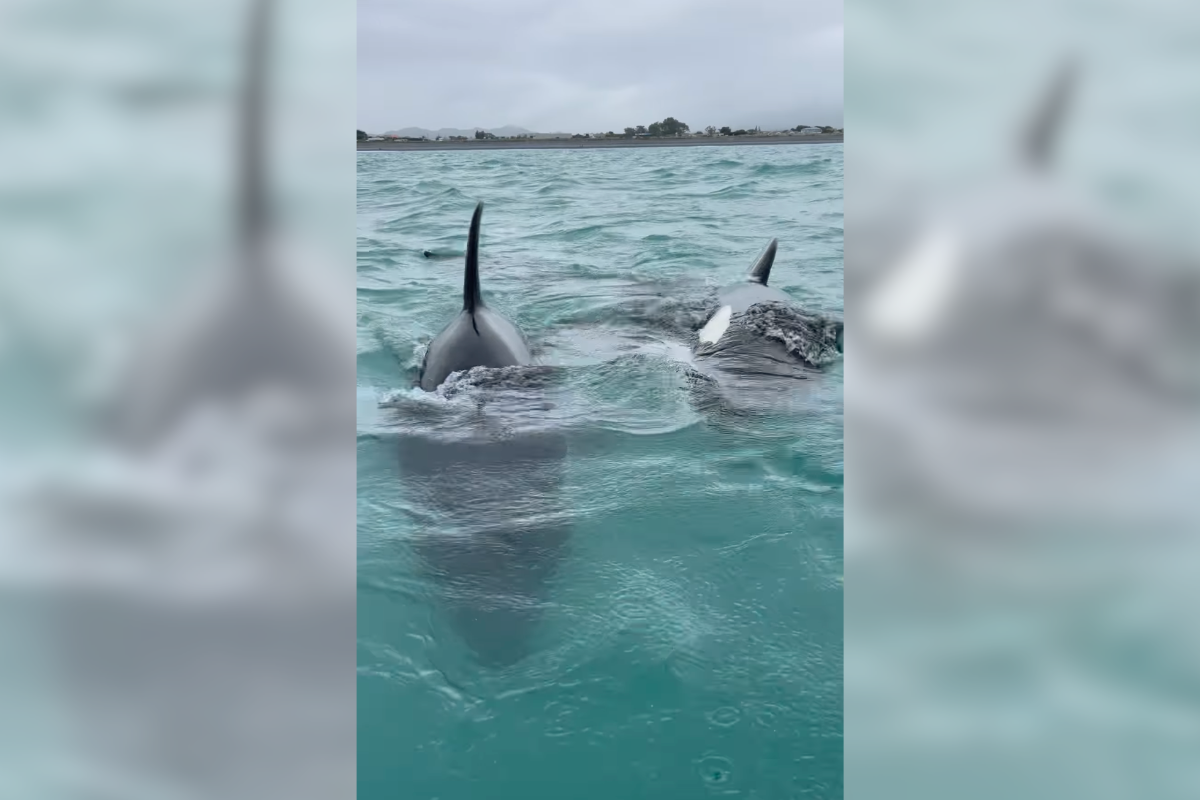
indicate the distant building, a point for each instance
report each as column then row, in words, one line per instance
column 809, row 131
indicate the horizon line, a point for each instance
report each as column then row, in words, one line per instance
column 530, row 130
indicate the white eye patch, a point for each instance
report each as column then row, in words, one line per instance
column 910, row 301
column 715, row 328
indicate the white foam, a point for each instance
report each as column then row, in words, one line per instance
column 715, row 328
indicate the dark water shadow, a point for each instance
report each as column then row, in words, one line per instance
column 487, row 477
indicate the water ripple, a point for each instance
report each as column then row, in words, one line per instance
column 694, row 624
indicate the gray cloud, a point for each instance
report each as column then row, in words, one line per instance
column 548, row 65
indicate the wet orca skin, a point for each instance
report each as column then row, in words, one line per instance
column 478, row 336
column 736, row 299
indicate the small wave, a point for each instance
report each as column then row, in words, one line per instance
column 788, row 170
column 437, row 189
column 499, row 378
column 736, row 190
column 572, row 234
column 557, row 184
column 666, row 314
column 635, row 394
column 463, row 384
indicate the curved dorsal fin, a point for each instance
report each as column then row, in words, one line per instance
column 761, row 271
column 472, row 298
column 1042, row 132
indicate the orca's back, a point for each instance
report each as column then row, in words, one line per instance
column 484, row 339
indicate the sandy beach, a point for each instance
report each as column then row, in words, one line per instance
column 584, row 144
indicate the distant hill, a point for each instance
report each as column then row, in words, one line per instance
column 507, row 130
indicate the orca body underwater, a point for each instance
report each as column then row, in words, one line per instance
column 478, row 336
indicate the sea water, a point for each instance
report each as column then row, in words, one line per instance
column 690, row 641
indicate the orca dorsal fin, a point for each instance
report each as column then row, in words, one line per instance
column 1043, row 130
column 761, row 271
column 254, row 214
column 472, row 297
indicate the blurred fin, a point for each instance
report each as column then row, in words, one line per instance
column 1044, row 128
column 254, row 216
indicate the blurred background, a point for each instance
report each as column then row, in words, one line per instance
column 176, row 461
column 176, row 598
column 1021, row 375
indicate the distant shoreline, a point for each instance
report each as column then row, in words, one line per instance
column 585, row 144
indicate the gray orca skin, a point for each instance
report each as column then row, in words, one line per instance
column 478, row 336
column 716, row 338
column 757, row 344
column 503, row 530
column 740, row 296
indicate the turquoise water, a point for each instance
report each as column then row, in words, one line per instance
column 688, row 641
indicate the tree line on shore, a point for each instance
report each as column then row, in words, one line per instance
column 666, row 127
column 673, row 127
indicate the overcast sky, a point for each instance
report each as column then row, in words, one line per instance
column 598, row 65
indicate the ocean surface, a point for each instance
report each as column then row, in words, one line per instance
column 681, row 634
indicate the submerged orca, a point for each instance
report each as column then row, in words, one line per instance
column 478, row 336
column 503, row 530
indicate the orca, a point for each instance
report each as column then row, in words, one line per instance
column 910, row 295
column 253, row 324
column 502, row 526
column 738, row 298
column 755, row 348
column 1014, row 305
column 502, row 532
column 478, row 336
column 742, row 347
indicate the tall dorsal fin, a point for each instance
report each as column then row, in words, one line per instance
column 253, row 211
column 1043, row 131
column 472, row 297
column 761, row 271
